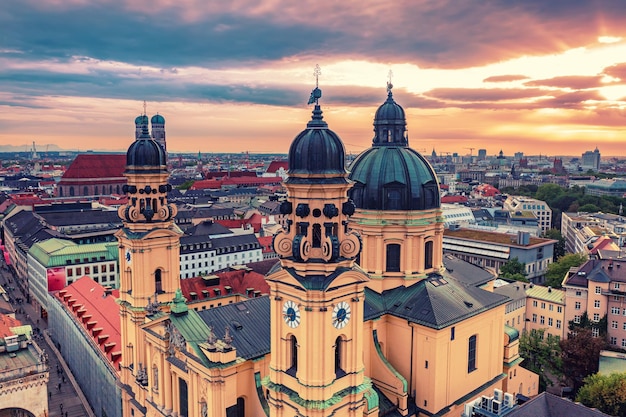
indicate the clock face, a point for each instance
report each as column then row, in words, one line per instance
column 341, row 315
column 291, row 314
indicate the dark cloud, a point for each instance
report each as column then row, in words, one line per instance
column 572, row 100
column 504, row 78
column 444, row 34
column 574, row 82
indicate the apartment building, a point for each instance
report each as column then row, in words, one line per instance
column 545, row 309
column 539, row 208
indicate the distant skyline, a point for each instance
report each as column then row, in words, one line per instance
column 536, row 76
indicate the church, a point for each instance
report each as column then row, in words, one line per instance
column 365, row 316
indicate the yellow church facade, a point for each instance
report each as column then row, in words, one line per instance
column 364, row 316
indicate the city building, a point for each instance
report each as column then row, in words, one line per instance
column 492, row 250
column 598, row 288
column 56, row 263
column 540, row 209
column 515, row 310
column 92, row 175
column 24, row 371
column 615, row 187
column 83, row 320
column 591, row 160
column 545, row 309
column 581, row 230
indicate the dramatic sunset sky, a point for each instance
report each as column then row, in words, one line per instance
column 538, row 76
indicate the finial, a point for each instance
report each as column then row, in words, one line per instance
column 144, row 108
column 316, row 73
column 316, row 94
column 389, row 77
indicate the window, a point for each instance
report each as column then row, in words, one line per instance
column 613, row 340
column 393, row 257
column 624, row 343
column 596, row 304
column 158, row 285
column 558, row 324
column 616, row 285
column 595, row 332
column 471, row 354
column 550, row 321
column 428, row 255
column 452, row 333
column 87, row 270
column 111, row 267
column 535, row 303
column 339, row 346
column 95, row 269
column 79, row 271
column 534, row 318
column 551, row 307
column 596, row 316
column 559, row 309
column 576, row 319
column 598, row 290
column 542, row 320
column 577, row 305
column 624, row 326
column 579, row 293
column 615, row 310
column 70, row 272
column 543, row 306
column 294, row 355
column 614, row 324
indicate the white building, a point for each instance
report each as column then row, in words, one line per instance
column 539, row 208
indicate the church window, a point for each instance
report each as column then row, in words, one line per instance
column 95, row 190
column 393, row 257
column 71, row 191
column 85, row 190
column 471, row 354
column 394, row 200
column 293, row 350
column 428, row 255
column 339, row 357
column 158, row 284
column 183, row 409
column 237, row 410
column 317, row 236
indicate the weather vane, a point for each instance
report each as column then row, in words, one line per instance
column 316, row 94
column 389, row 85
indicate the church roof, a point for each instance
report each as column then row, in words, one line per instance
column 96, row 166
column 436, row 302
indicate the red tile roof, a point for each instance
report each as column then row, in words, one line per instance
column 6, row 322
column 239, row 281
column 266, row 243
column 98, row 314
column 276, row 165
column 454, row 199
column 96, row 166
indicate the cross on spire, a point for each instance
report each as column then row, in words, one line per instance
column 389, row 77
column 316, row 73
column 144, row 108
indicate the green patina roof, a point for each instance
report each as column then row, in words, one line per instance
column 512, row 332
column 57, row 252
column 546, row 293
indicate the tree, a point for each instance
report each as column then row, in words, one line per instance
column 542, row 355
column 186, row 185
column 559, row 246
column 513, row 269
column 557, row 270
column 580, row 353
column 607, row 393
column 549, row 193
column 589, row 208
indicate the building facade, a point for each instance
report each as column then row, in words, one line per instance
column 540, row 209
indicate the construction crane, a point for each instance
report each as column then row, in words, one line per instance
column 471, row 150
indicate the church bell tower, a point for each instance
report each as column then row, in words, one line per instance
column 148, row 255
column 316, row 292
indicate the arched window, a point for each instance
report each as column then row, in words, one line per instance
column 428, row 255
column 158, row 285
column 85, row 190
column 393, row 257
column 293, row 350
column 118, row 189
column 95, row 190
column 60, row 191
column 394, row 200
column 71, row 191
column 339, row 357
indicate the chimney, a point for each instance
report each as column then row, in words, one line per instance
column 549, row 289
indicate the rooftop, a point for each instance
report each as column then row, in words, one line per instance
column 492, row 237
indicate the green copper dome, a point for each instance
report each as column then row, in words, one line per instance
column 390, row 175
column 157, row 119
column 141, row 120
